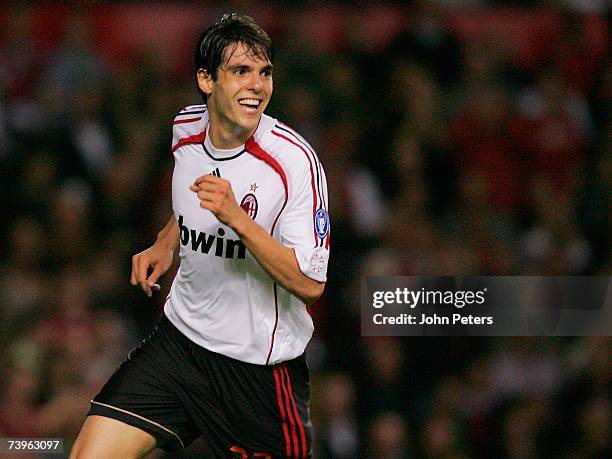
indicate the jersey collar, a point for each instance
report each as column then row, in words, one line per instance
column 219, row 154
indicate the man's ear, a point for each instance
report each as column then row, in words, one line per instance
column 205, row 81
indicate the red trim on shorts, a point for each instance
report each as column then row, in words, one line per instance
column 282, row 411
column 297, row 415
column 188, row 120
column 312, row 180
column 294, row 436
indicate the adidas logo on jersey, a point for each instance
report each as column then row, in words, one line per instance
column 202, row 242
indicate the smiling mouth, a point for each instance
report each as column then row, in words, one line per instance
column 250, row 105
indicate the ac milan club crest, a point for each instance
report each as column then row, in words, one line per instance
column 249, row 205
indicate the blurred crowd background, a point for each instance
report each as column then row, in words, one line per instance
column 459, row 137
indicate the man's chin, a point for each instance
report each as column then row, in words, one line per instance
column 250, row 122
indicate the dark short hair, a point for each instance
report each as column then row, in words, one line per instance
column 230, row 29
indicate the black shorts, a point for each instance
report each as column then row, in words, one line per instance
column 176, row 390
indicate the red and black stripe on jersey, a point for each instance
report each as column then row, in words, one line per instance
column 189, row 112
column 285, row 132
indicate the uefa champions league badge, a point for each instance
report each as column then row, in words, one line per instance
column 321, row 223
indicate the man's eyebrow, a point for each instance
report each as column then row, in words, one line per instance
column 239, row 66
column 266, row 68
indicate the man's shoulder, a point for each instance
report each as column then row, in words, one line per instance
column 286, row 145
column 192, row 109
column 191, row 114
column 189, row 125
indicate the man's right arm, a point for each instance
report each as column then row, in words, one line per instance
column 159, row 257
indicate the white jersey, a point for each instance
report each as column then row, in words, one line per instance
column 221, row 298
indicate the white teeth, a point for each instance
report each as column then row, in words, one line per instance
column 249, row 102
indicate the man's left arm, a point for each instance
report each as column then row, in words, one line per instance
column 278, row 261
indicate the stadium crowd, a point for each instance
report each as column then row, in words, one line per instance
column 447, row 152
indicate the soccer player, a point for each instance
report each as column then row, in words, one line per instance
column 249, row 197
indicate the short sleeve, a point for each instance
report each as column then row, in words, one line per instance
column 189, row 126
column 305, row 225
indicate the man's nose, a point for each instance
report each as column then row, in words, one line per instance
column 255, row 82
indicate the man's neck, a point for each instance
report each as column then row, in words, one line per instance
column 227, row 137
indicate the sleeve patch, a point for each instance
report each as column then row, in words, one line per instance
column 318, row 260
column 321, row 223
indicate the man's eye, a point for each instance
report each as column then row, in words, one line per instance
column 240, row 71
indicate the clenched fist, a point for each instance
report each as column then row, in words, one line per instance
column 216, row 195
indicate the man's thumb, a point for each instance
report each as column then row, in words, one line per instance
column 152, row 279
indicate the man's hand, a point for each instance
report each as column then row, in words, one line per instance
column 157, row 257
column 216, row 195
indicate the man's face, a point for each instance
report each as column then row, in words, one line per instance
column 242, row 90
